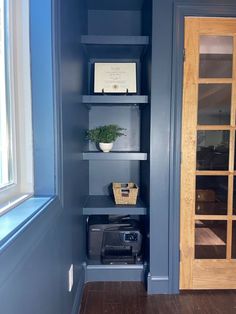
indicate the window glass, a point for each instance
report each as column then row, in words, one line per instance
column 216, row 56
column 212, row 150
column 214, row 104
column 6, row 144
column 211, row 195
column 210, row 239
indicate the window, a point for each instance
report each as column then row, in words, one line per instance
column 16, row 162
column 6, row 143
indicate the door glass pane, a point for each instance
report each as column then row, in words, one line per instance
column 214, row 103
column 210, row 239
column 212, row 150
column 234, row 197
column 216, row 56
column 211, row 195
column 234, row 240
column 235, row 154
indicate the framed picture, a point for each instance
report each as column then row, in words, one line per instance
column 115, row 78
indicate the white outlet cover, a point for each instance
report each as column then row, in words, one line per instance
column 70, row 277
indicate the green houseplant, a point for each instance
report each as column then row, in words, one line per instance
column 105, row 136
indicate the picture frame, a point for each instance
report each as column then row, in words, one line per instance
column 115, row 78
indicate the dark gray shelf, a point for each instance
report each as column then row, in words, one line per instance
column 117, row 100
column 98, row 264
column 101, row 272
column 115, row 5
column 105, row 205
column 121, row 47
column 114, row 156
column 114, row 40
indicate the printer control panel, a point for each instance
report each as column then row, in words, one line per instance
column 130, row 237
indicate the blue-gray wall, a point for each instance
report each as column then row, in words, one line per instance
column 72, row 68
column 34, row 265
column 32, row 268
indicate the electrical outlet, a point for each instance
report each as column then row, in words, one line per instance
column 70, row 277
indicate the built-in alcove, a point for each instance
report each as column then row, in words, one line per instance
column 118, row 32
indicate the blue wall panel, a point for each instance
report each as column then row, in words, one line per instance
column 74, row 122
column 159, row 153
column 32, row 268
column 105, row 22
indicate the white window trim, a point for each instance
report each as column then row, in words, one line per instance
column 21, row 100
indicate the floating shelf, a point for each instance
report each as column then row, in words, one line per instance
column 98, row 264
column 114, row 40
column 114, row 156
column 115, row 5
column 117, row 100
column 101, row 272
column 105, row 205
column 121, row 47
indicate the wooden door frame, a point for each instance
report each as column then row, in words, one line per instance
column 180, row 12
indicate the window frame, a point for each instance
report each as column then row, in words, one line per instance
column 20, row 97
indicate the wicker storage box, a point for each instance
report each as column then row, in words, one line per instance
column 125, row 193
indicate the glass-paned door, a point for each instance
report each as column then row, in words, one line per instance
column 208, row 169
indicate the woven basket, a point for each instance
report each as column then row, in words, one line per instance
column 125, row 193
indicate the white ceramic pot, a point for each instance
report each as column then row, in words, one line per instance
column 106, row 147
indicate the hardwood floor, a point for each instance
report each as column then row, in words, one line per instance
column 131, row 298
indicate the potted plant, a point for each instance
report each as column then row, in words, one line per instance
column 105, row 135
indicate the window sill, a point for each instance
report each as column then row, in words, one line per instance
column 16, row 218
column 14, row 202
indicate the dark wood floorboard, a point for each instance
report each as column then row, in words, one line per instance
column 131, row 298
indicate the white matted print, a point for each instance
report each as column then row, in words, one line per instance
column 115, row 78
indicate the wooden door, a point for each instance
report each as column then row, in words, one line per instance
column 208, row 168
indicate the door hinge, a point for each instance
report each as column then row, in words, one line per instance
column 179, row 255
column 184, row 55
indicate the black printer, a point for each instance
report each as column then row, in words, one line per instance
column 114, row 240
